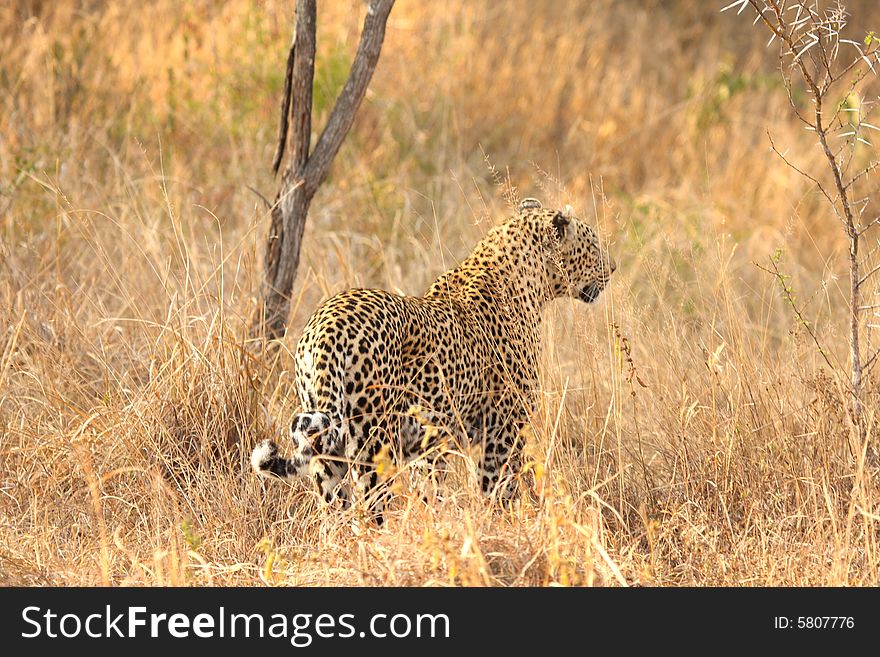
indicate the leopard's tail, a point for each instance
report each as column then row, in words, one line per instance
column 268, row 462
column 313, row 433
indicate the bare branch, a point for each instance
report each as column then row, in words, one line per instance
column 343, row 113
column 286, row 97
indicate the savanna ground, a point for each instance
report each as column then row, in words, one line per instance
column 689, row 432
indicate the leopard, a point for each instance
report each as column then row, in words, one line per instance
column 465, row 355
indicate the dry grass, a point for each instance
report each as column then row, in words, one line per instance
column 689, row 433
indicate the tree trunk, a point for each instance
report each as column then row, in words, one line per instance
column 306, row 171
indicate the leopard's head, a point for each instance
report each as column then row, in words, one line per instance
column 576, row 263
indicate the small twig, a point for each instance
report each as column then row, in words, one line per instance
column 861, row 174
column 864, row 278
column 871, row 362
column 800, row 171
column 261, row 197
column 789, row 297
column 865, row 227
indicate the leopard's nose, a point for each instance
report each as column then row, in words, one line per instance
column 612, row 265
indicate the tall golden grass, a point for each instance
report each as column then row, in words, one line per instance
column 689, row 431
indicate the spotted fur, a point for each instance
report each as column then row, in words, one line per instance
column 465, row 353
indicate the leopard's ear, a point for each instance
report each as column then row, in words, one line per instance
column 529, row 203
column 560, row 223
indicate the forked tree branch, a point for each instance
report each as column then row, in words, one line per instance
column 306, row 170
